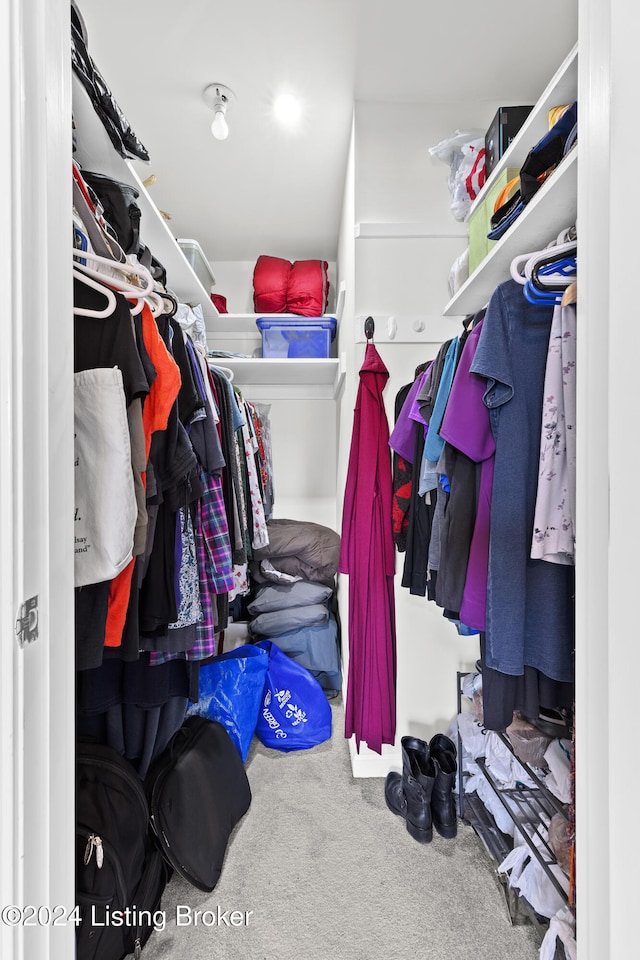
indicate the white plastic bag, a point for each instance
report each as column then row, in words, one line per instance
column 559, row 780
column 504, row 821
column 528, row 877
column 514, row 863
column 459, row 272
column 562, row 926
column 464, row 152
column 472, row 735
column 538, row 890
column 191, row 319
column 470, row 683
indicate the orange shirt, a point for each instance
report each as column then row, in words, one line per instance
column 155, row 415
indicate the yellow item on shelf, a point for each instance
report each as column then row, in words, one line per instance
column 555, row 113
column 506, row 193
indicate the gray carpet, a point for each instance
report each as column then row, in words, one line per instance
column 329, row 872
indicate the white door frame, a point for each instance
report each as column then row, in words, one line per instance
column 36, row 477
column 608, row 840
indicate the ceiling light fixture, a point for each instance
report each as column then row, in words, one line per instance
column 219, row 99
column 287, row 108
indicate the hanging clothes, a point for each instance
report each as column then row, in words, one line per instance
column 415, row 572
column 367, row 556
column 529, row 603
column 554, row 522
column 402, row 462
column 466, row 427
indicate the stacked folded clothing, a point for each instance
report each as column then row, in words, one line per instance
column 280, row 607
column 297, row 550
column 294, row 602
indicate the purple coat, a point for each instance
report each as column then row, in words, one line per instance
column 367, row 556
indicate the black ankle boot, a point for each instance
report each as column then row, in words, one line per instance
column 409, row 794
column 443, row 804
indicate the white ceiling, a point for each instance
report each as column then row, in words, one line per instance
column 270, row 190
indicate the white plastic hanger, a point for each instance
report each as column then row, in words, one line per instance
column 119, row 283
column 100, row 287
column 530, row 261
column 228, row 372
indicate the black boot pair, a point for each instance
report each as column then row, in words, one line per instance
column 423, row 792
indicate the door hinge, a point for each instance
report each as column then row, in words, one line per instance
column 27, row 621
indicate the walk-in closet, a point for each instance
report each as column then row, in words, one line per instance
column 444, row 808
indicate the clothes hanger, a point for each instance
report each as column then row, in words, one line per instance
column 127, row 268
column 80, row 239
column 539, row 297
column 170, row 303
column 550, row 293
column 130, row 290
column 228, row 372
column 558, row 261
column 565, row 242
column 559, row 268
column 100, row 287
column 570, row 295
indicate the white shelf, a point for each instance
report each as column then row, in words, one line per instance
column 96, row 153
column 552, row 209
column 562, row 89
column 155, row 233
column 269, row 379
column 229, row 325
column 407, row 230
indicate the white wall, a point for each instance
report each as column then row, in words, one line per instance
column 397, row 181
column 304, row 447
column 396, row 178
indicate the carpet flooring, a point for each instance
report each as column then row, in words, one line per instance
column 320, row 868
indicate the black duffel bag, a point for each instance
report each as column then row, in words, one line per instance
column 198, row 791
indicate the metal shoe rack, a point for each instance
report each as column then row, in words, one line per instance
column 529, row 808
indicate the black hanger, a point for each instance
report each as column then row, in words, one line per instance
column 173, row 309
column 562, row 258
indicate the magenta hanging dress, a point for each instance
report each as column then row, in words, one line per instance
column 367, row 556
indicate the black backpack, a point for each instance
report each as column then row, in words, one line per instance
column 118, row 200
column 120, row 873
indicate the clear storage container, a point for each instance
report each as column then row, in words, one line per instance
column 296, row 337
column 198, row 262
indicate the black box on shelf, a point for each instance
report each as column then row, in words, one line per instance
column 504, row 126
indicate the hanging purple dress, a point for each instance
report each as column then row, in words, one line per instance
column 367, row 556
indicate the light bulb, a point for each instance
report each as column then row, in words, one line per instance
column 219, row 127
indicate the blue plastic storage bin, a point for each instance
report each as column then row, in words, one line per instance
column 299, row 337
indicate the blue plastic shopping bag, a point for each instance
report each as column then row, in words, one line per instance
column 231, row 688
column 294, row 713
